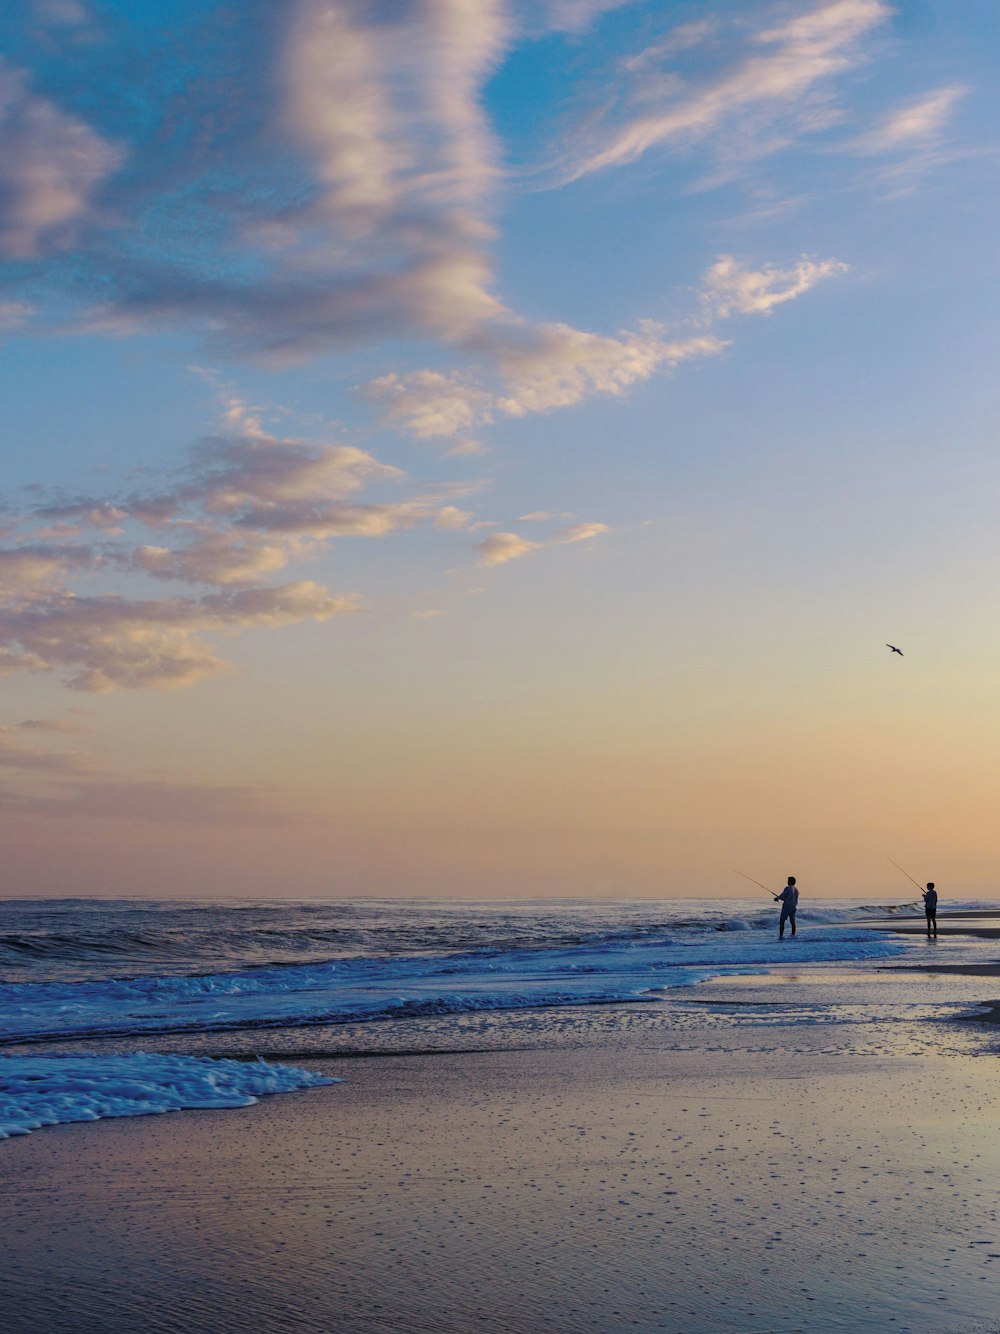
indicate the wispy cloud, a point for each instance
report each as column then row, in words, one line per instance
column 918, row 123
column 685, row 37
column 788, row 63
column 246, row 506
column 105, row 642
column 62, row 725
column 499, row 548
column 730, row 288
column 912, row 140
column 581, row 532
column 573, row 16
column 30, row 760
column 533, row 369
column 538, row 368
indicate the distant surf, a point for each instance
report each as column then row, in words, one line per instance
column 86, row 969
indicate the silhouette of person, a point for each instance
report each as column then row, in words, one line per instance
column 930, row 907
column 788, row 898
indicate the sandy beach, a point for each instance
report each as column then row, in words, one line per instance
column 720, row 1167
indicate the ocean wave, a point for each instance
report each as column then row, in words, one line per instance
column 361, row 990
column 76, row 941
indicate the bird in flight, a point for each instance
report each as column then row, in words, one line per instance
column 895, row 649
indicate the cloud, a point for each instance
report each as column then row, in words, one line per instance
column 373, row 520
column 499, row 548
column 685, row 37
column 249, row 504
column 339, row 106
column 431, row 404
column 582, row 532
column 388, row 107
column 13, row 314
column 51, row 164
column 290, row 316
column 220, row 558
column 346, row 200
column 802, row 54
column 233, row 476
column 260, row 470
column 26, row 569
column 47, row 725
column 729, row 288
column 911, row 139
column 13, row 756
column 918, row 123
column 536, row 369
column 245, row 505
column 558, row 366
column 60, row 13
column 349, row 196
column 576, row 16
column 102, row 643
column 467, row 448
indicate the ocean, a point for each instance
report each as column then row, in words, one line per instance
column 122, row 1007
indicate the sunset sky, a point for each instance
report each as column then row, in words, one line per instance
column 456, row 447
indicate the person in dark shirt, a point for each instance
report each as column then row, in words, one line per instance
column 930, row 908
column 788, row 898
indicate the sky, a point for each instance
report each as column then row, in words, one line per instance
column 472, row 448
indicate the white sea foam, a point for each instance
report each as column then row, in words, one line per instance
column 38, row 1091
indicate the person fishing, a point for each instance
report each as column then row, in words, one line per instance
column 789, row 899
column 930, row 908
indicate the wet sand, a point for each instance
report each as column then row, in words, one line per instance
column 645, row 1174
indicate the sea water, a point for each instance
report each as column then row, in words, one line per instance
column 85, row 985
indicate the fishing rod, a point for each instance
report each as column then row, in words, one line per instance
column 756, row 882
column 906, row 873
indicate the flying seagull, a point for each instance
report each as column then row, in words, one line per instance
column 895, row 649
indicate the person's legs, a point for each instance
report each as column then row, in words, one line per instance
column 782, row 920
column 791, row 918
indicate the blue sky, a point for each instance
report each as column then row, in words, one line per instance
column 468, row 447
